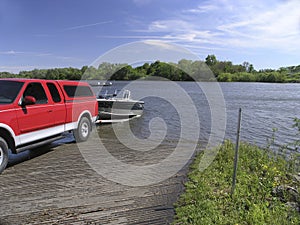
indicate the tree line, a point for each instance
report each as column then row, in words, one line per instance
column 185, row 70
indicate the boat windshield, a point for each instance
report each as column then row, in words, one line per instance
column 105, row 94
column 9, row 90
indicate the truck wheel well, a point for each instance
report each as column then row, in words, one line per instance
column 87, row 116
column 5, row 134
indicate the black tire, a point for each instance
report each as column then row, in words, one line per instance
column 83, row 130
column 3, row 154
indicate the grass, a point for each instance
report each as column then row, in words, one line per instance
column 208, row 200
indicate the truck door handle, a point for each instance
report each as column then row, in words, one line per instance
column 50, row 111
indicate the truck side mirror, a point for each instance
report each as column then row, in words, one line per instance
column 29, row 100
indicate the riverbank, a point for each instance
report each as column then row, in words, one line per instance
column 267, row 190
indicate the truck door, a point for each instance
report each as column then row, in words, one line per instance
column 59, row 107
column 38, row 116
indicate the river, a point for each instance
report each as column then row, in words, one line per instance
column 265, row 106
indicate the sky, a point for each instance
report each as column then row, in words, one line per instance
column 36, row 34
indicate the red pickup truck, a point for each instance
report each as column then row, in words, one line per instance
column 35, row 112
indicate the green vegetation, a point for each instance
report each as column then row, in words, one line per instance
column 184, row 70
column 50, row 74
column 261, row 191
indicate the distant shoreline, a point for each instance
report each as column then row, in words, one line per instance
column 184, row 70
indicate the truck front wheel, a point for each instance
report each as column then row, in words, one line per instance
column 3, row 154
column 83, row 130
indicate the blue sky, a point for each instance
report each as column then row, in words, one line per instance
column 64, row 33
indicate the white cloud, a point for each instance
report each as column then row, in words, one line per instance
column 17, row 69
column 20, row 53
column 11, row 52
column 272, row 24
column 206, row 8
column 276, row 27
column 40, row 54
column 160, row 44
column 169, row 26
column 181, row 30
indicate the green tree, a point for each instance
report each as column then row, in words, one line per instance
column 225, row 77
column 125, row 73
column 251, row 68
column 211, row 60
column 52, row 74
column 83, row 69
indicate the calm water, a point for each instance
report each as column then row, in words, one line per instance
column 264, row 107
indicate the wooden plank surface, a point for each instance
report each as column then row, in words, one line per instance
column 55, row 185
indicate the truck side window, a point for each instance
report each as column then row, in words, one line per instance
column 54, row 92
column 78, row 91
column 37, row 91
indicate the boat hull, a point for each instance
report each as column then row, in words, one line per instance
column 118, row 109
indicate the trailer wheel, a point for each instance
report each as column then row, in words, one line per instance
column 83, row 130
column 3, row 154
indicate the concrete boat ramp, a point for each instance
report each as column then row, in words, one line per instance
column 55, row 185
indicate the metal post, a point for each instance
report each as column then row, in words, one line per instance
column 236, row 152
